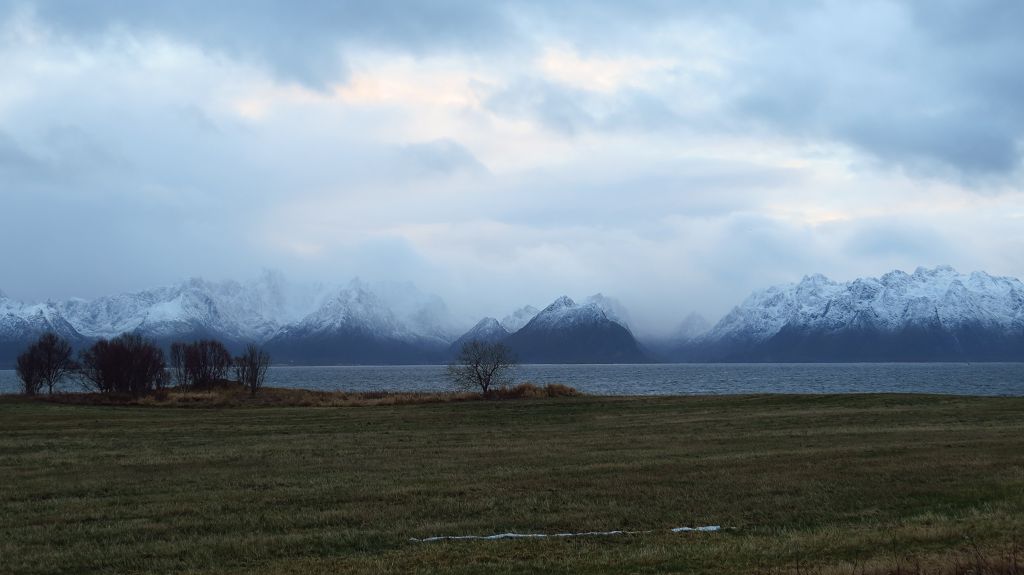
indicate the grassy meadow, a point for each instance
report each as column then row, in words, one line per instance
column 804, row 484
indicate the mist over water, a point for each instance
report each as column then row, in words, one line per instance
column 991, row 379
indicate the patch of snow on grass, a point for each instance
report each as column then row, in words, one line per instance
column 707, row 528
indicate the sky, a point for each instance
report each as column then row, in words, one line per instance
column 675, row 155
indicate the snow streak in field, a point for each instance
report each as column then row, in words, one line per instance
column 707, row 528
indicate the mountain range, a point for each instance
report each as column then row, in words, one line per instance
column 933, row 314
column 359, row 323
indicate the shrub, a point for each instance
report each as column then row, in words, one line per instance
column 127, row 364
column 530, row 390
column 251, row 367
column 560, row 390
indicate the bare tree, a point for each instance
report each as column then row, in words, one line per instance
column 45, row 362
column 251, row 367
column 178, row 363
column 29, row 373
column 128, row 363
column 482, row 365
column 200, row 364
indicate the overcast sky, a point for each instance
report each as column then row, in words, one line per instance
column 675, row 155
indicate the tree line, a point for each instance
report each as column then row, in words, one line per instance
column 130, row 364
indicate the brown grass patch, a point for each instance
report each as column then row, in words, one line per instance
column 234, row 395
column 533, row 391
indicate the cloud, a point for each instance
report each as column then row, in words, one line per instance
column 305, row 45
column 884, row 78
column 14, row 160
column 674, row 155
column 931, row 87
column 893, row 238
column 441, row 157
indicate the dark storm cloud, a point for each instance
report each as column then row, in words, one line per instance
column 934, row 88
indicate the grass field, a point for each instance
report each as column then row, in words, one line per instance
column 810, row 484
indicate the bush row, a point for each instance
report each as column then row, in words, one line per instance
column 130, row 364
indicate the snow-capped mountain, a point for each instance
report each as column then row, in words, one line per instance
column 517, row 319
column 566, row 332
column 357, row 325
column 932, row 314
column 564, row 313
column 487, row 330
column 21, row 323
column 233, row 311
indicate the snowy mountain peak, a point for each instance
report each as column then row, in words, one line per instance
column 351, row 309
column 564, row 312
column 488, row 323
column 487, row 330
column 563, row 302
column 568, row 332
column 517, row 319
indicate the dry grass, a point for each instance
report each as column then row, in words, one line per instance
column 532, row 391
column 234, row 395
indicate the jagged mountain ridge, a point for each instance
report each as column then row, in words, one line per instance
column 235, row 313
column 933, row 314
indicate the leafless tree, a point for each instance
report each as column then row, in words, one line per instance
column 251, row 367
column 29, row 373
column 178, row 363
column 200, row 364
column 45, row 362
column 482, row 365
column 126, row 364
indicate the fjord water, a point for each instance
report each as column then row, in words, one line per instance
column 674, row 379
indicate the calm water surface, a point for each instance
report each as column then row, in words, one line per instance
column 674, row 379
